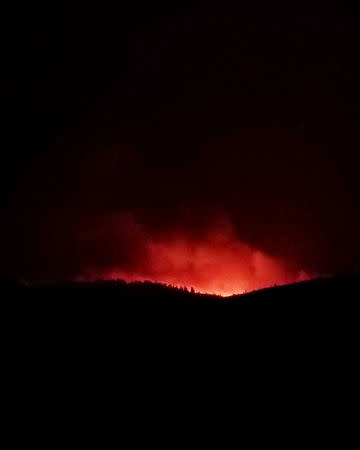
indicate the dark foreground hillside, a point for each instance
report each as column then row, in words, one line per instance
column 340, row 292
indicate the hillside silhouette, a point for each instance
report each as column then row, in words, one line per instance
column 337, row 293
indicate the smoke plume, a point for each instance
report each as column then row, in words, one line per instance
column 214, row 261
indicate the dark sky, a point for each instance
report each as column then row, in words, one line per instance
column 179, row 115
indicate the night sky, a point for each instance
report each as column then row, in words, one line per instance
column 209, row 143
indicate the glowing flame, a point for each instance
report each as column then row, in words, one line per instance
column 216, row 263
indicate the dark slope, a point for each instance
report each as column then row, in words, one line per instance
column 338, row 292
column 119, row 291
column 318, row 293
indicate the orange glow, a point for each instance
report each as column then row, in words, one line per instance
column 217, row 263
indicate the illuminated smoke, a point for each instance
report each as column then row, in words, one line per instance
column 216, row 262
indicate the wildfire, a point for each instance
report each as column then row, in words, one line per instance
column 217, row 263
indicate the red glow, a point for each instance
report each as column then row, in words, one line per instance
column 217, row 263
